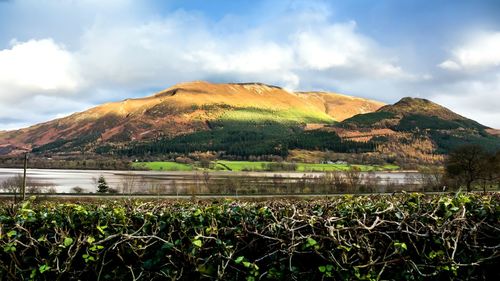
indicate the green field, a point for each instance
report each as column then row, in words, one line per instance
column 260, row 115
column 258, row 166
column 344, row 167
column 162, row 166
column 300, row 167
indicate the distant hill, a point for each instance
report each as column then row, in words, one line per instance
column 419, row 127
column 200, row 112
column 413, row 113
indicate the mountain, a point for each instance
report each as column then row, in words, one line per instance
column 182, row 110
column 411, row 114
column 255, row 121
column 417, row 128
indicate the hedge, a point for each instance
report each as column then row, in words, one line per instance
column 399, row 237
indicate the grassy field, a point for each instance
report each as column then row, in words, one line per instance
column 343, row 167
column 162, row 166
column 259, row 115
column 238, row 166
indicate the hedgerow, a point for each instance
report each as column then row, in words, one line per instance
column 400, row 237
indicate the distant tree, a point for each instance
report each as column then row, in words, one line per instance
column 491, row 172
column 431, row 178
column 77, row 189
column 102, row 185
column 13, row 184
column 129, row 183
column 113, row 191
column 353, row 177
column 467, row 165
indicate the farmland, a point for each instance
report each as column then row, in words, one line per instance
column 257, row 166
column 162, row 166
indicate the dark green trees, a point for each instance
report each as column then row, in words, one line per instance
column 102, row 185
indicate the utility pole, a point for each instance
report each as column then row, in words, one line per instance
column 23, row 191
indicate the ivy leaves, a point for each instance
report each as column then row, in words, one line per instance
column 348, row 237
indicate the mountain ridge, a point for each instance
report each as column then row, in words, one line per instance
column 254, row 121
column 185, row 108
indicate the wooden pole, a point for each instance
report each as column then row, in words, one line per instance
column 23, row 191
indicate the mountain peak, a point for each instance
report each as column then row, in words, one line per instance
column 409, row 105
column 411, row 100
column 256, row 84
column 204, row 87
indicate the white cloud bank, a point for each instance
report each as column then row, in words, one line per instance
column 479, row 52
column 37, row 78
column 471, row 80
column 36, row 66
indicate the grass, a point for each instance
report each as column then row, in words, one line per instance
column 281, row 116
column 162, row 166
column 238, row 166
column 302, row 167
column 260, row 166
column 305, row 167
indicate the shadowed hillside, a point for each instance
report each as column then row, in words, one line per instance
column 417, row 129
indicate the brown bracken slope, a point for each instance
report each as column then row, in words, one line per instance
column 182, row 109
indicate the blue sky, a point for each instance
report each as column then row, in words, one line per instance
column 58, row 57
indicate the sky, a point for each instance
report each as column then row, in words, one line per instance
column 59, row 57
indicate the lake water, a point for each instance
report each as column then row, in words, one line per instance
column 170, row 182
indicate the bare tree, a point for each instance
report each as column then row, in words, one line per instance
column 12, row 184
column 431, row 178
column 491, row 175
column 156, row 188
column 206, row 179
column 371, row 181
column 129, row 183
column 353, row 178
column 466, row 164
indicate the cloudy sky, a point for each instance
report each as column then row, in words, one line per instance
column 58, row 57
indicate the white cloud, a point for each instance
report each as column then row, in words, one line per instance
column 471, row 83
column 36, row 109
column 38, row 79
column 449, row 65
column 36, row 66
column 184, row 47
column 480, row 51
column 477, row 98
column 332, row 46
column 340, row 46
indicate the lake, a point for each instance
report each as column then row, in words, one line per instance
column 171, row 182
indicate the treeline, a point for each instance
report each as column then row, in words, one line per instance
column 99, row 163
column 447, row 141
column 248, row 140
column 418, row 121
